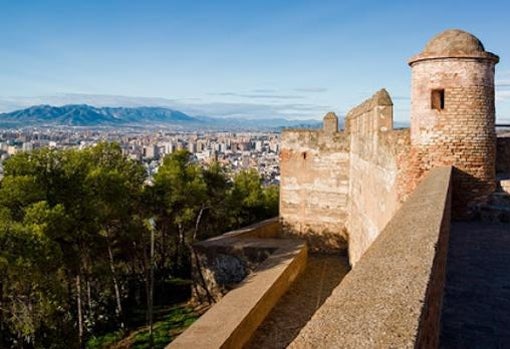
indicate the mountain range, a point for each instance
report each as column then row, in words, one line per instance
column 89, row 116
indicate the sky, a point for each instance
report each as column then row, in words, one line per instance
column 257, row 59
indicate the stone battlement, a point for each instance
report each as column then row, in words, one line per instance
column 373, row 115
column 347, row 185
column 340, row 189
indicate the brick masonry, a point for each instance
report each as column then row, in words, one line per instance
column 463, row 132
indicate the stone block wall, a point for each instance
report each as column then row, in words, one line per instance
column 339, row 189
column 314, row 187
column 393, row 297
column 374, row 171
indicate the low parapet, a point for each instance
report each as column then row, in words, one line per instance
column 235, row 317
column 392, row 298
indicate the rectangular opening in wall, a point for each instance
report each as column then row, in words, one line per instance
column 437, row 99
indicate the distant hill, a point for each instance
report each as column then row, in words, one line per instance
column 86, row 115
column 89, row 116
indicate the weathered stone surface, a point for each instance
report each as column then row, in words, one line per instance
column 374, row 168
column 392, row 297
column 220, row 263
column 314, row 187
column 351, row 179
column 232, row 320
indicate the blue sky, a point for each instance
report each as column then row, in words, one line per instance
column 296, row 59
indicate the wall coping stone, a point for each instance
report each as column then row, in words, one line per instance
column 231, row 322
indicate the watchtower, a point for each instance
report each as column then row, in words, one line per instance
column 453, row 113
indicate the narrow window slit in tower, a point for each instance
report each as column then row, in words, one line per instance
column 437, row 99
column 304, row 155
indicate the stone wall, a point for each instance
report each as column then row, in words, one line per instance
column 344, row 186
column 314, row 187
column 374, row 171
column 503, row 155
column 393, row 297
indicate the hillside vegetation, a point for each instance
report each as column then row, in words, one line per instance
column 76, row 226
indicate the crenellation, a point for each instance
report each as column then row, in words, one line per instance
column 348, row 184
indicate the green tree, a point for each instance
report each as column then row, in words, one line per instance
column 30, row 287
column 116, row 184
column 76, row 233
column 180, row 190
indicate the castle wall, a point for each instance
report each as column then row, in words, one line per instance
column 348, row 185
column 314, row 186
column 393, row 297
column 374, row 171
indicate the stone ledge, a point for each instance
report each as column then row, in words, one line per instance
column 270, row 228
column 222, row 262
column 231, row 322
column 392, row 298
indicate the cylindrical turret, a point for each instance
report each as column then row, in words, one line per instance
column 453, row 114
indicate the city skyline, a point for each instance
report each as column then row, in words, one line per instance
column 227, row 59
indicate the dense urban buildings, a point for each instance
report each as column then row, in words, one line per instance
column 235, row 151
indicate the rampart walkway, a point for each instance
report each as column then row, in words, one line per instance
column 476, row 308
column 322, row 274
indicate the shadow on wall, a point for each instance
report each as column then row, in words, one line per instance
column 503, row 155
column 466, row 196
column 323, row 241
